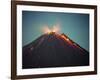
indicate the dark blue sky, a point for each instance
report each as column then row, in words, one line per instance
column 75, row 25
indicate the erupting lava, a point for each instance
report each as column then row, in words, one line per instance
column 55, row 29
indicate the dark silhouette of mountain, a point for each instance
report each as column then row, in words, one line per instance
column 54, row 50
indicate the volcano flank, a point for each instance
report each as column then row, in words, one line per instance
column 54, row 50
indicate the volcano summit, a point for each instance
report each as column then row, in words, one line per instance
column 54, row 50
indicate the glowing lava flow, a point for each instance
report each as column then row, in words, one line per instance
column 66, row 39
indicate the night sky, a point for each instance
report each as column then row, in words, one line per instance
column 74, row 25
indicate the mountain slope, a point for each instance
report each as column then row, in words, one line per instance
column 54, row 50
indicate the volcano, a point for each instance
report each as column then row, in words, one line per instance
column 53, row 50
